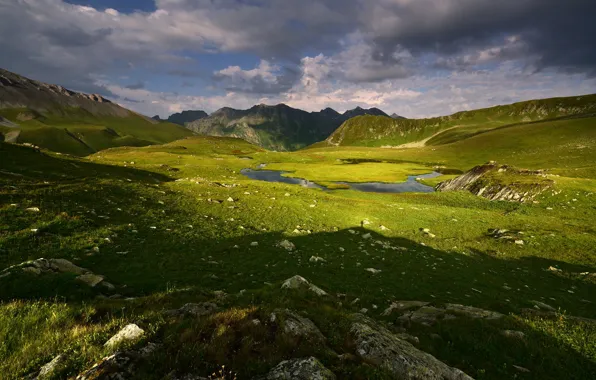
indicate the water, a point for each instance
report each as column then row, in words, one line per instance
column 410, row 186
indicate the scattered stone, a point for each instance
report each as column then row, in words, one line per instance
column 373, row 270
column 513, row 334
column 316, row 259
column 383, row 228
column 33, row 209
column 521, row 369
column 543, row 306
column 519, row 242
column 366, row 236
column 298, row 282
column 378, row 346
column 230, row 199
column 129, row 333
column 300, row 369
column 426, row 315
column 287, row 245
column 254, row 244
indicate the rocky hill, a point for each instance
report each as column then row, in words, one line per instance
column 181, row 118
column 392, row 132
column 278, row 127
column 56, row 118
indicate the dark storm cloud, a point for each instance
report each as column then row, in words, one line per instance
column 262, row 80
column 557, row 34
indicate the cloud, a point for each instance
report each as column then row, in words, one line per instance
column 415, row 57
column 263, row 79
column 136, row 86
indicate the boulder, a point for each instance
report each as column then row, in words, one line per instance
column 297, row 326
column 300, row 369
column 379, row 347
column 90, row 279
column 65, row 266
column 129, row 333
column 48, row 369
column 298, row 282
column 287, row 245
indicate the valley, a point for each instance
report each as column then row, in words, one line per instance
column 179, row 224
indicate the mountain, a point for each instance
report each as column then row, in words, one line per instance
column 184, row 117
column 396, row 116
column 66, row 121
column 383, row 131
column 278, row 127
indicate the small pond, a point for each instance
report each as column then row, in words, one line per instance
column 410, row 186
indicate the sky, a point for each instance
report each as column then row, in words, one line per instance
column 417, row 58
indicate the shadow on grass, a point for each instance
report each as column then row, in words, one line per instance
column 167, row 262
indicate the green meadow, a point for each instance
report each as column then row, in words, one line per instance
column 174, row 223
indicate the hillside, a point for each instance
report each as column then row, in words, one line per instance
column 278, row 127
column 381, row 131
column 53, row 117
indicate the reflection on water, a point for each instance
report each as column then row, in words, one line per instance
column 410, row 186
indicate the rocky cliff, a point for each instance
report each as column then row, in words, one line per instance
column 500, row 183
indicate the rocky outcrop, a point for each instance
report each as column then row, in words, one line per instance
column 193, row 310
column 378, row 346
column 48, row 266
column 119, row 366
column 129, row 333
column 500, row 183
column 296, row 326
column 300, row 369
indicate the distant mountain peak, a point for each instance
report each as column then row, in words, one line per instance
column 188, row 116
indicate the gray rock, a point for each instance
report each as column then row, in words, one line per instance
column 287, row 245
column 297, row 326
column 473, row 312
column 300, row 369
column 90, row 279
column 121, row 365
column 129, row 333
column 48, row 369
column 65, row 266
column 298, row 282
column 543, row 306
column 378, row 346
column 426, row 315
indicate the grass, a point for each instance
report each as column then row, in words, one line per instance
column 186, row 246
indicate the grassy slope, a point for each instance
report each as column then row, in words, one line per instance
column 380, row 131
column 77, row 132
column 173, row 263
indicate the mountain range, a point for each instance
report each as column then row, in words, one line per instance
column 277, row 127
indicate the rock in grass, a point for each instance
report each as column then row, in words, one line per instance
column 90, row 279
column 521, row 369
column 366, row 236
column 543, row 306
column 119, row 366
column 316, row 259
column 403, row 305
column 473, row 312
column 287, row 245
column 48, row 369
column 300, row 369
column 513, row 334
column 129, row 333
column 378, row 346
column 62, row 265
column 297, row 326
column 254, row 244
column 298, row 282
column 33, row 209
